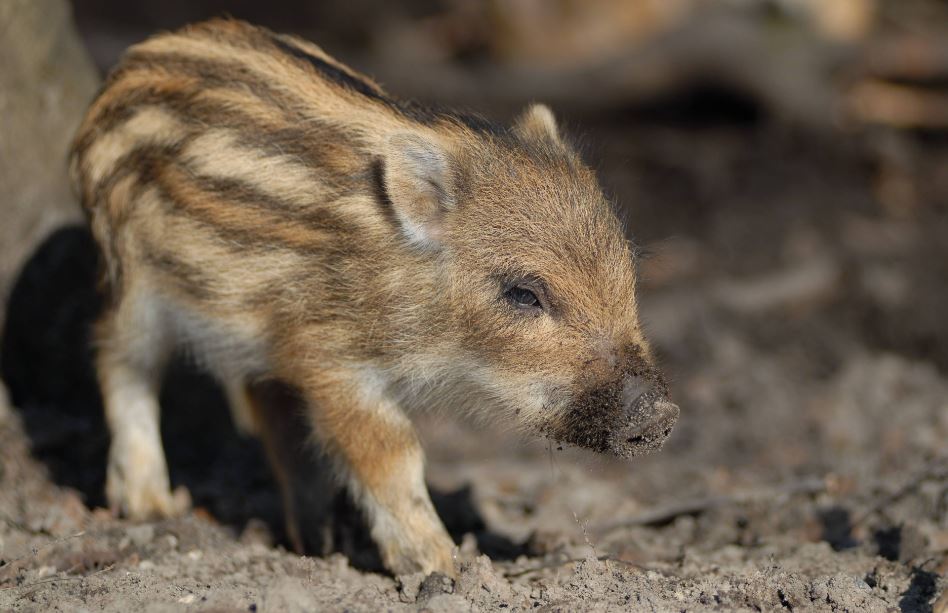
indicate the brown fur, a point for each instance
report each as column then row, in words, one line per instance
column 282, row 217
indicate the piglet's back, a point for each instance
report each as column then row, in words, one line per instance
column 223, row 141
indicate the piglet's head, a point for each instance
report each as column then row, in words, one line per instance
column 535, row 301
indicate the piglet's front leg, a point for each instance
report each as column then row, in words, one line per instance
column 376, row 448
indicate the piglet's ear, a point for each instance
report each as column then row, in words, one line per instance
column 418, row 181
column 537, row 123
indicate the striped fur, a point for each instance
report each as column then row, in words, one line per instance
column 282, row 217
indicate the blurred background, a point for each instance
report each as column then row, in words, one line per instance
column 782, row 163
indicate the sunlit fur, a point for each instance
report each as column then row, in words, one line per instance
column 281, row 217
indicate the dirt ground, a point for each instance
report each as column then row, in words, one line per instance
column 795, row 287
column 802, row 327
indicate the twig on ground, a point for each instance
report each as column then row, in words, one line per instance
column 17, row 525
column 55, row 579
column 664, row 515
column 932, row 473
column 35, row 550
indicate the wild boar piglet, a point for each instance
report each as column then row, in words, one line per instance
column 282, row 218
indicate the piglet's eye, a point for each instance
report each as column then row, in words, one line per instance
column 523, row 297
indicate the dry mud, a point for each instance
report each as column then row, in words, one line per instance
column 801, row 326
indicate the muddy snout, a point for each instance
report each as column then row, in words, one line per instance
column 648, row 419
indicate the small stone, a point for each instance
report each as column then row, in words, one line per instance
column 408, row 586
column 45, row 571
column 433, row 585
column 256, row 532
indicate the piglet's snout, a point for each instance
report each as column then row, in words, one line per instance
column 649, row 418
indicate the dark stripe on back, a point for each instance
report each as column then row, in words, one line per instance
column 258, row 237
column 333, row 73
column 144, row 162
column 425, row 114
column 211, row 73
column 188, row 107
column 188, row 278
column 314, row 216
column 187, row 100
column 147, row 162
